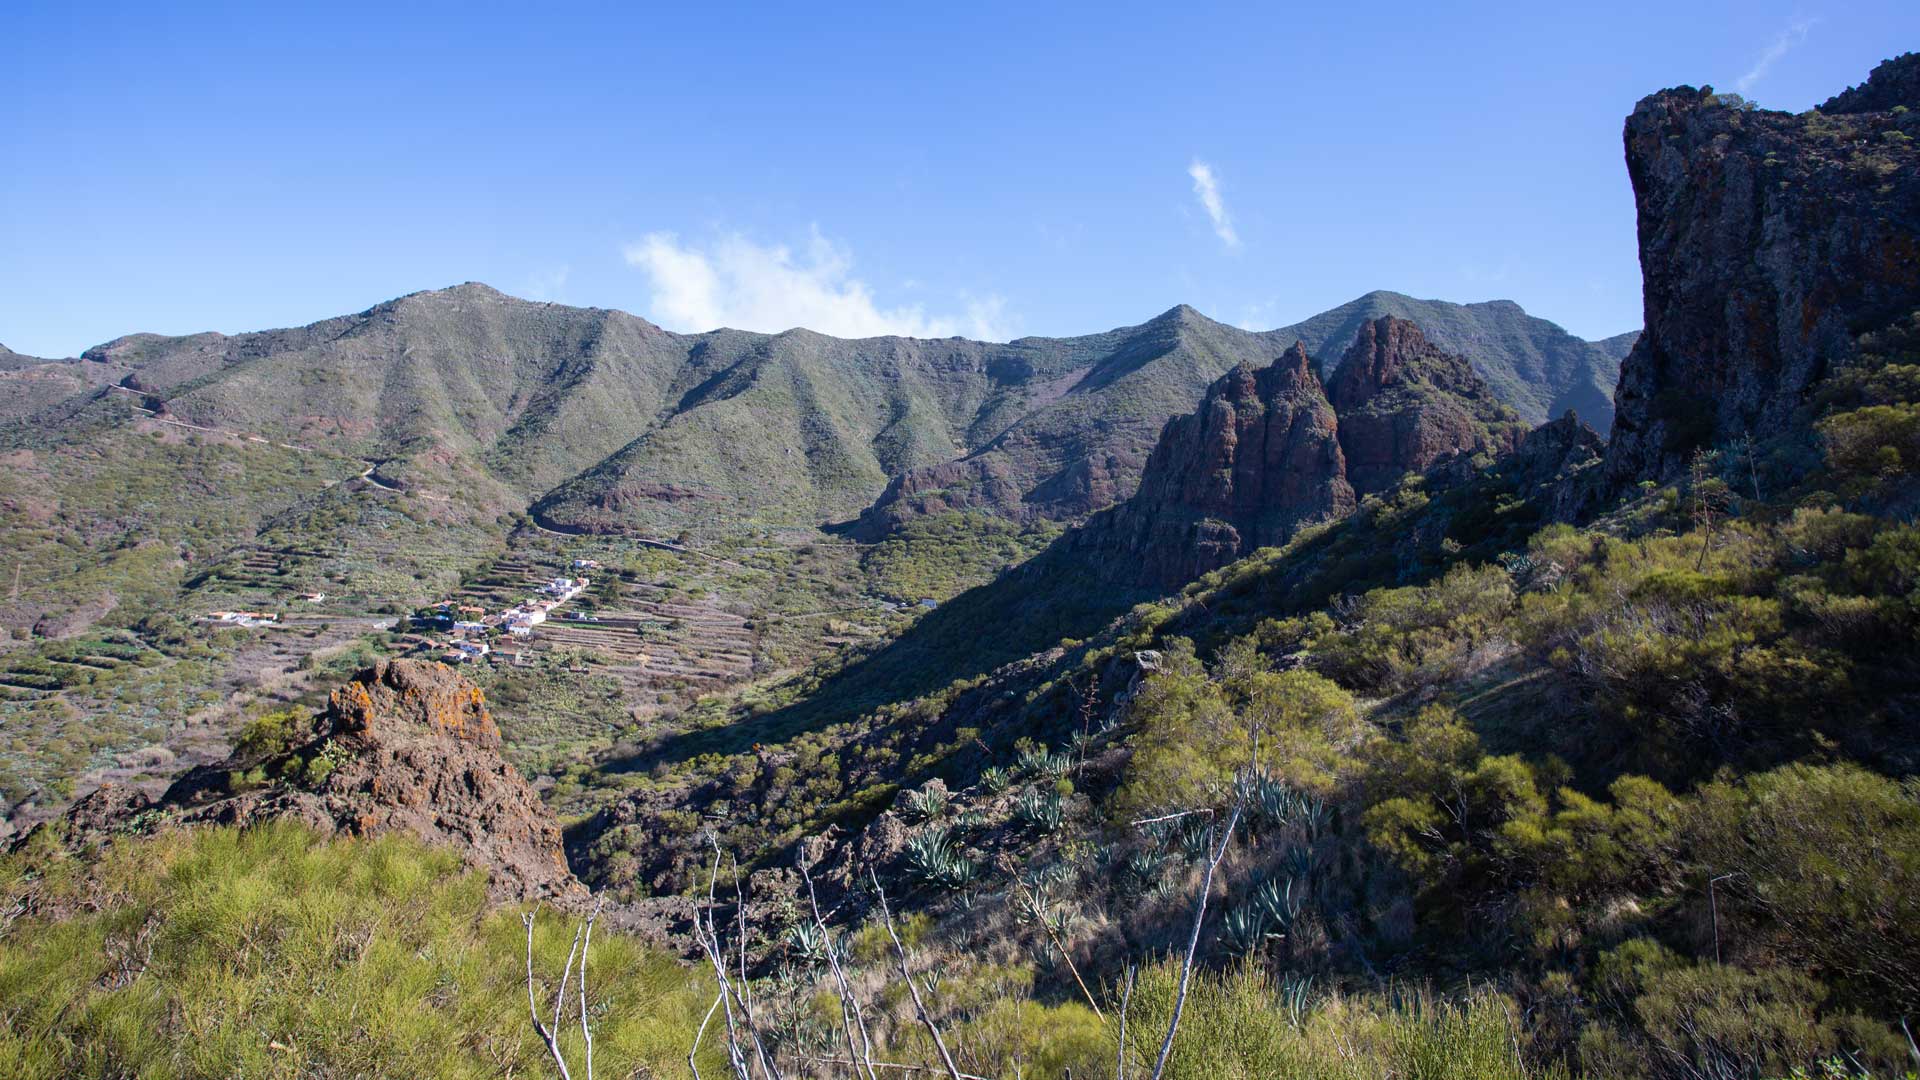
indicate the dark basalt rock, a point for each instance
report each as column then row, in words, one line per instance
column 1405, row 405
column 1259, row 459
column 1768, row 241
column 1273, row 450
column 1556, row 466
column 1892, row 83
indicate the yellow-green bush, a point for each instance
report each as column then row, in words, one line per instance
column 1242, row 1024
column 272, row 953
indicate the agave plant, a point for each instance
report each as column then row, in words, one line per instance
column 972, row 821
column 1281, row 900
column 807, row 945
column 1145, row 866
column 1058, row 926
column 1031, row 761
column 926, row 804
column 1055, row 766
column 1298, row 863
column 1296, row 994
column 1195, row 836
column 1314, row 816
column 957, row 873
column 1271, row 804
column 931, row 859
column 1245, row 928
column 994, row 779
column 926, row 851
column 1039, row 810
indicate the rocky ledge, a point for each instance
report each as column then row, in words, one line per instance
column 405, row 747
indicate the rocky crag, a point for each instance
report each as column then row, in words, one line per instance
column 1260, row 458
column 1272, row 450
column 1405, row 405
column 1769, row 241
column 406, row 747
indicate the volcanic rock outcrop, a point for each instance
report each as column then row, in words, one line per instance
column 1554, row 465
column 406, row 746
column 1769, row 241
column 1405, row 405
column 1260, row 458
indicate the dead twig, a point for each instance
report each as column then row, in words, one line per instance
column 891, row 1065
column 533, row 1006
column 692, row 1054
column 926, row 1018
column 1040, row 916
column 850, row 1014
column 1207, row 810
column 1193, row 941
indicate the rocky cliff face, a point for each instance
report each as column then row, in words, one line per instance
column 1554, row 465
column 1767, row 241
column 406, row 746
column 1405, row 405
column 1269, row 451
column 1260, row 458
column 1891, row 84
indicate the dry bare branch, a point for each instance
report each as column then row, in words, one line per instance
column 1040, row 916
column 850, row 1014
column 1207, row 810
column 893, row 1065
column 709, row 939
column 547, row 1036
column 926, row 1018
column 1193, row 941
column 586, row 943
column 694, row 1053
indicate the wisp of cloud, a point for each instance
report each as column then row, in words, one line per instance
column 734, row 282
column 1783, row 44
column 1207, row 188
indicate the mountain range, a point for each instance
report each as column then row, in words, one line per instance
column 602, row 422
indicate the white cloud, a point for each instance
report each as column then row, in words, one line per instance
column 737, row 283
column 1782, row 44
column 1206, row 187
column 548, row 284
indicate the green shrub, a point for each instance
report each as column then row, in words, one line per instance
column 1826, row 864
column 272, row 734
column 273, row 953
column 1878, row 440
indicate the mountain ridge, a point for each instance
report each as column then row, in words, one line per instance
column 601, row 421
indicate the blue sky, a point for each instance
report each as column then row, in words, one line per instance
column 963, row 168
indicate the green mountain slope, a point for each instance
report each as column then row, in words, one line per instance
column 603, row 422
column 1532, row 365
column 1084, row 450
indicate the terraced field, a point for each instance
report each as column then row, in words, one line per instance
column 642, row 632
column 138, row 706
column 660, row 640
column 368, row 549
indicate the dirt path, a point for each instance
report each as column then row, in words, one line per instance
column 365, row 474
column 649, row 542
